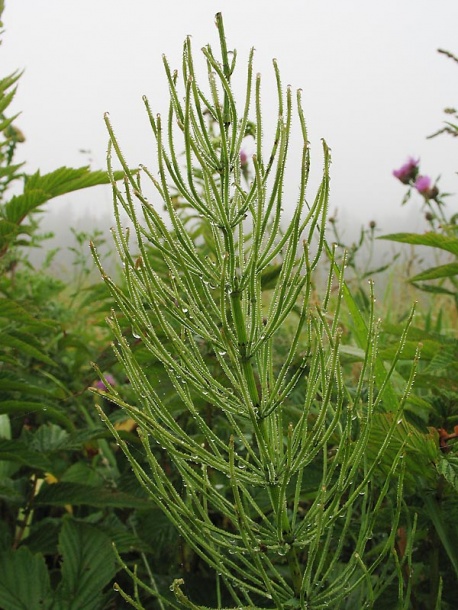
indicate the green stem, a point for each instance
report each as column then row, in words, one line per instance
column 239, row 322
column 274, row 491
column 226, row 67
column 434, row 552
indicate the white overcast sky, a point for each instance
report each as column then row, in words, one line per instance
column 373, row 83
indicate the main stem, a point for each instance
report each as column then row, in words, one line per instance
column 238, row 317
column 263, row 430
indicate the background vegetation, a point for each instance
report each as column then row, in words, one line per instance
column 68, row 491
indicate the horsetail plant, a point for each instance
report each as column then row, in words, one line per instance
column 268, row 478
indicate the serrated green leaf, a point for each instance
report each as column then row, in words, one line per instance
column 444, row 382
column 448, row 468
column 17, row 451
column 26, row 389
column 49, row 438
column 43, row 536
column 88, row 566
column 76, row 439
column 123, row 538
column 433, row 240
column 8, row 229
column 82, row 473
column 39, row 189
column 9, row 81
column 156, row 528
column 10, row 492
column 26, row 406
column 435, row 273
column 433, row 289
column 14, row 311
column 6, row 171
column 18, row 342
column 64, row 180
column 60, row 494
column 442, row 360
column 420, row 448
column 6, row 123
column 19, row 206
column 24, row 581
column 415, row 404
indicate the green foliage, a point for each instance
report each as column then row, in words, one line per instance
column 444, row 242
column 24, row 581
column 432, row 411
column 280, row 451
column 63, row 498
column 256, row 451
column 88, row 564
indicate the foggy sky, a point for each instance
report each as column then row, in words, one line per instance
column 373, row 83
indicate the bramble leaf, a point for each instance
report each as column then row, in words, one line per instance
column 435, row 273
column 433, row 240
column 88, row 566
column 24, row 581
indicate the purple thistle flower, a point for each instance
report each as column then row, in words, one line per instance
column 99, row 384
column 424, row 187
column 244, row 164
column 408, row 171
column 423, row 184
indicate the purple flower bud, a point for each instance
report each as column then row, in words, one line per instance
column 423, row 185
column 243, row 155
column 99, row 385
column 408, row 171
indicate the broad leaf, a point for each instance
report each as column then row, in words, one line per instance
column 43, row 536
column 27, row 389
column 9, row 81
column 28, row 406
column 17, row 451
column 433, row 240
column 448, row 468
column 65, row 180
column 60, row 494
column 433, row 289
column 49, row 438
column 82, row 473
column 444, row 359
column 19, row 206
column 8, row 230
column 11, row 492
column 38, row 189
column 420, row 449
column 434, row 273
column 24, row 581
column 24, row 343
column 88, row 566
